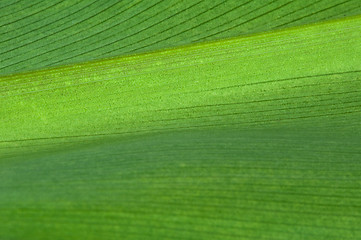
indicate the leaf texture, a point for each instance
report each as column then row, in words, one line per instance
column 37, row 35
column 251, row 137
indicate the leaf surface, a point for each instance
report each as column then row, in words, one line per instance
column 38, row 35
column 250, row 137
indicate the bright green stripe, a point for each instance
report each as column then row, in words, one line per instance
column 283, row 76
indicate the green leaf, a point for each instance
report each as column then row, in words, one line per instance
column 251, row 137
column 37, row 34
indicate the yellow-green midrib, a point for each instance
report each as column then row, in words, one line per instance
column 278, row 76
